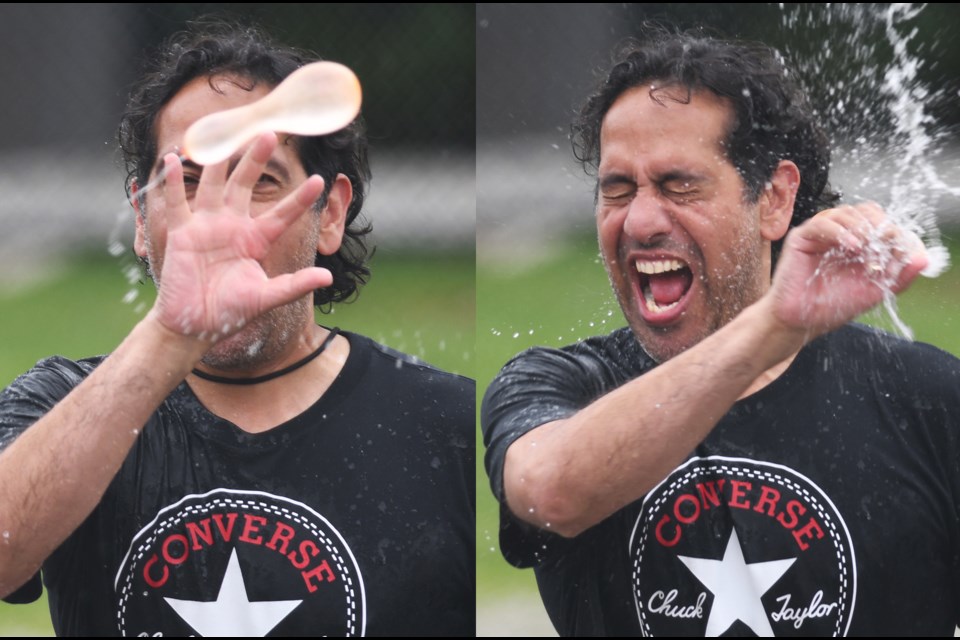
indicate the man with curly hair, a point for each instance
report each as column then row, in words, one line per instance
column 233, row 468
column 739, row 459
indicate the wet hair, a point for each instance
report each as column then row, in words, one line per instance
column 773, row 119
column 211, row 47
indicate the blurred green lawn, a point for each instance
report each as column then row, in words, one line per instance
column 567, row 297
column 423, row 305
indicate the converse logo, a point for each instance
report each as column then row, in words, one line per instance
column 735, row 546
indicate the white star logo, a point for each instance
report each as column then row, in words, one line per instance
column 232, row 614
column 737, row 587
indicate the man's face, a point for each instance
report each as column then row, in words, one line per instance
column 263, row 339
column 683, row 248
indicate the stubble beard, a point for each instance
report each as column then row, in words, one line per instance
column 261, row 341
column 726, row 297
column 264, row 338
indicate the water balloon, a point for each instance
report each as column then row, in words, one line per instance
column 316, row 99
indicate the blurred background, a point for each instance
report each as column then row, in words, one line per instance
column 884, row 79
column 67, row 69
column 440, row 164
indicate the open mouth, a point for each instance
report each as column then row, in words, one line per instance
column 663, row 283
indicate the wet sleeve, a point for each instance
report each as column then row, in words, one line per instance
column 32, row 395
column 538, row 386
column 26, row 400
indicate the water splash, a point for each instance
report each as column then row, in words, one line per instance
column 916, row 182
column 868, row 84
column 129, row 266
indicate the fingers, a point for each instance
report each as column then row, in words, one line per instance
column 861, row 237
column 823, row 233
column 276, row 221
column 286, row 288
column 854, row 229
column 219, row 186
column 209, row 195
column 174, row 193
column 239, row 188
column 914, row 263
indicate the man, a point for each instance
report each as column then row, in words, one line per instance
column 739, row 460
column 232, row 468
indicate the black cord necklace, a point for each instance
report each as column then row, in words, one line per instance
column 276, row 374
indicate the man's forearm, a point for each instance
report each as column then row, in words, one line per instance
column 56, row 472
column 568, row 475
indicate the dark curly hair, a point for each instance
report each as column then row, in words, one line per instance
column 773, row 119
column 212, row 47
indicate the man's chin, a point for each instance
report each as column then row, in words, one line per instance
column 659, row 350
column 242, row 350
column 664, row 343
column 261, row 341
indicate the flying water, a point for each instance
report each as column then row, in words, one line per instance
column 868, row 80
column 129, row 266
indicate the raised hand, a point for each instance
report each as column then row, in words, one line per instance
column 211, row 278
column 841, row 263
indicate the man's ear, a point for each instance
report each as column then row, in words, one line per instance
column 333, row 218
column 140, row 240
column 777, row 200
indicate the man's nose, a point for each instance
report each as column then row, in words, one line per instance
column 647, row 218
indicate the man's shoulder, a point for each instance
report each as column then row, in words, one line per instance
column 388, row 359
column 53, row 375
column 882, row 349
column 543, row 384
column 35, row 392
column 381, row 376
column 616, row 357
column 893, row 367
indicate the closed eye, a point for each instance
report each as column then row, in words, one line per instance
column 681, row 189
column 618, row 195
column 616, row 189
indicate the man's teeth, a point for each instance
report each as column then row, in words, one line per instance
column 652, row 304
column 653, row 267
column 659, row 266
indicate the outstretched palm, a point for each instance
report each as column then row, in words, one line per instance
column 212, row 281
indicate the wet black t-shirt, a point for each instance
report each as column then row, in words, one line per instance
column 827, row 503
column 354, row 518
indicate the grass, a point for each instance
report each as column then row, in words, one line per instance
column 424, row 305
